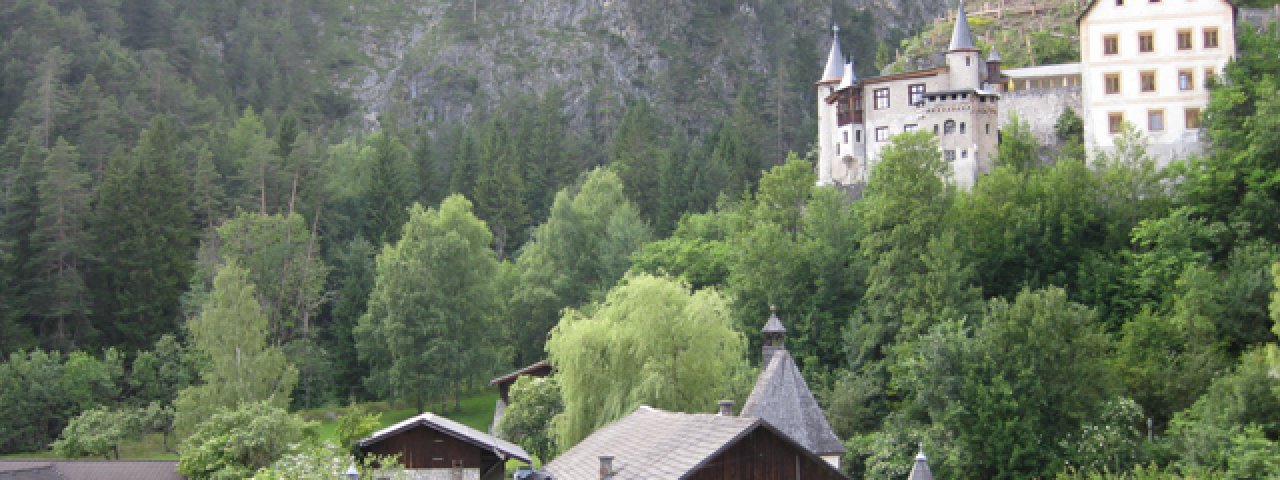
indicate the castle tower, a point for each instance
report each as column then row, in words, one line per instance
column 827, row 84
column 963, row 60
column 995, row 78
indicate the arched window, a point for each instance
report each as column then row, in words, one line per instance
column 948, row 127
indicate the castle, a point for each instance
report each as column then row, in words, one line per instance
column 1143, row 62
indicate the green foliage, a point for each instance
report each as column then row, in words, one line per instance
column 40, row 391
column 240, row 365
column 160, row 373
column 1017, row 148
column 1238, row 411
column 100, row 431
column 429, row 326
column 354, row 426
column 651, row 341
column 328, row 461
column 535, row 401
column 233, row 443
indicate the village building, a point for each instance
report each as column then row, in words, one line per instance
column 89, row 470
column 541, row 368
column 651, row 443
column 432, row 447
column 782, row 398
column 1149, row 63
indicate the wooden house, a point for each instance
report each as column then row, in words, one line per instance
column 434, row 447
column 652, row 444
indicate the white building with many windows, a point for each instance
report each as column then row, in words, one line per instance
column 1148, row 63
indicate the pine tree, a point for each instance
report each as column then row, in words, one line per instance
column 145, row 241
column 60, row 297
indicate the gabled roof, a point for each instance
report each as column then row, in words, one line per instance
column 835, row 59
column 782, row 398
column 961, row 37
column 539, row 368
column 89, row 470
column 1089, row 7
column 920, row 471
column 652, row 443
column 502, row 448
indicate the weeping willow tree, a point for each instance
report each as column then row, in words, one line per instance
column 652, row 342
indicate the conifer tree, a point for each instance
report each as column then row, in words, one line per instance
column 60, row 296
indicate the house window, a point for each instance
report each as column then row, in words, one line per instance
column 882, row 134
column 964, row 154
column 1146, row 42
column 935, row 129
column 910, row 127
column 857, row 136
column 1112, row 82
column 1149, row 81
column 1184, row 39
column 1186, row 80
column 948, row 127
column 1192, row 117
column 1211, row 37
column 1155, row 120
column 962, row 128
column 949, row 155
column 1110, row 44
column 881, row 96
column 915, row 94
column 1114, row 122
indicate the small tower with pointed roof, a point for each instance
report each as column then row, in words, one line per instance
column 963, row 60
column 829, row 82
column 920, row 470
column 995, row 78
column 772, row 336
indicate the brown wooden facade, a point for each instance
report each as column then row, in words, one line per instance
column 422, row 448
column 763, row 455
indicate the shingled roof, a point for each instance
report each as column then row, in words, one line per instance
column 652, row 443
column 89, row 470
column 920, row 470
column 502, row 448
column 782, row 398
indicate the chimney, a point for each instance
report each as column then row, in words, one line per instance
column 606, row 467
column 726, row 408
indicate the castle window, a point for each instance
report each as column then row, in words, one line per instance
column 857, row 136
column 1119, row 3
column 1146, row 42
column 988, row 129
column 1186, row 80
column 915, row 94
column 962, row 128
column 1184, row 39
column 1112, row 82
column 935, row 129
column 948, row 127
column 949, row 155
column 1110, row 44
column 881, row 96
column 1209, row 75
column 845, row 135
column 882, row 134
column 910, row 127
column 964, row 154
column 1211, row 37
column 1192, row 117
column 1148, row 81
column 1115, row 121
column 1155, row 120
column 967, row 61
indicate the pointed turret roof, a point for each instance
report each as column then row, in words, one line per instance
column 774, row 325
column 782, row 398
column 994, row 56
column 847, row 79
column 920, row 471
column 961, row 37
column 835, row 59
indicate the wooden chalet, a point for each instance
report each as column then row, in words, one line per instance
column 540, row 368
column 432, row 446
column 657, row 444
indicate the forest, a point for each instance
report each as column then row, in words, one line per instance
column 200, row 235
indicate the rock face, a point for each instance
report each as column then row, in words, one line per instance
column 689, row 58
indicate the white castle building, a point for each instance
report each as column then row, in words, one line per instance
column 1144, row 62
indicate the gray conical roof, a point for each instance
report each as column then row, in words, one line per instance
column 782, row 398
column 961, row 37
column 774, row 325
column 835, row 59
column 994, row 56
column 920, row 471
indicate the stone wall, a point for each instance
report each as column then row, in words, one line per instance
column 1040, row 109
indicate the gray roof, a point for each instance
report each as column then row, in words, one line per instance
column 994, row 56
column 920, row 471
column 835, row 59
column 961, row 37
column 652, row 443
column 774, row 325
column 782, row 398
column 502, row 448
column 89, row 470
